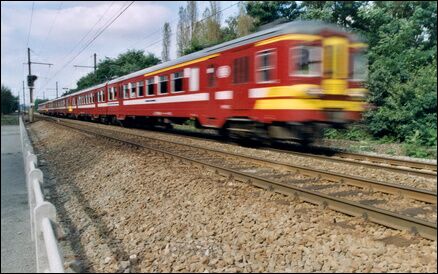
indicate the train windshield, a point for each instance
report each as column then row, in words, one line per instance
column 359, row 71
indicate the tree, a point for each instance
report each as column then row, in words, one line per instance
column 244, row 22
column 183, row 32
column 39, row 101
column 9, row 102
column 265, row 12
column 166, row 42
column 344, row 13
column 192, row 17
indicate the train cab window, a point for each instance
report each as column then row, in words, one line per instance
column 125, row 92
column 241, row 70
column 211, row 80
column 359, row 66
column 150, row 87
column 265, row 62
column 177, row 81
column 305, row 61
column 140, row 89
column 162, row 87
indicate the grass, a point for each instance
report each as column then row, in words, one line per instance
column 360, row 140
column 9, row 119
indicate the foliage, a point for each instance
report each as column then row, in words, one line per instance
column 9, row 120
column 125, row 63
column 39, row 101
column 167, row 33
column 265, row 12
column 9, row 102
column 402, row 61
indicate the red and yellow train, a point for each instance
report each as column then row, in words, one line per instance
column 288, row 82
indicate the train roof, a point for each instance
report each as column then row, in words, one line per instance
column 301, row 27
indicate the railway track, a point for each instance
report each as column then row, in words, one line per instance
column 407, row 167
column 416, row 168
column 351, row 195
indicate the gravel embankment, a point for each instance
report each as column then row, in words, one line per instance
column 130, row 210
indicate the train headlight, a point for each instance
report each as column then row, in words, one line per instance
column 314, row 91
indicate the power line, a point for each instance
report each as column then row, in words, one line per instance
column 83, row 37
column 92, row 40
column 30, row 25
column 92, row 28
column 53, row 22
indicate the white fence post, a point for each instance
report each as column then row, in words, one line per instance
column 42, row 213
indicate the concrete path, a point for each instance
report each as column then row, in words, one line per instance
column 18, row 250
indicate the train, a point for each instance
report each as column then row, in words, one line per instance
column 289, row 82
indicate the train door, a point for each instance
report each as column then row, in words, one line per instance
column 240, row 79
column 335, row 65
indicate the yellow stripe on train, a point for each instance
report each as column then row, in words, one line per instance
column 308, row 104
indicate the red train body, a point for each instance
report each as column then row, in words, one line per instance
column 288, row 82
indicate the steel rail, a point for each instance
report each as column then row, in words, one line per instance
column 381, row 216
column 395, row 189
column 375, row 162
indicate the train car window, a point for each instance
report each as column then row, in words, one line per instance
column 305, row 61
column 150, row 86
column 194, row 79
column 241, row 70
column 125, row 91
column 110, row 90
column 132, row 87
column 162, row 87
column 265, row 61
column 177, row 81
column 115, row 93
column 102, row 95
column 140, row 89
column 211, row 80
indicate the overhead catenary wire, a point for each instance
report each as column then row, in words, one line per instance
column 148, row 46
column 53, row 23
column 83, row 37
column 30, row 25
column 92, row 28
column 90, row 42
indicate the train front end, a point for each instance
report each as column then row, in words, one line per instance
column 321, row 85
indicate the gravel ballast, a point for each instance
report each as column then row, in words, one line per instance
column 126, row 210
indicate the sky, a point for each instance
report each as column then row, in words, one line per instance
column 57, row 31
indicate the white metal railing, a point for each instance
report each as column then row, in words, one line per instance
column 42, row 213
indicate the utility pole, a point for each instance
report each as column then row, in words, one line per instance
column 95, row 64
column 30, row 84
column 24, row 101
column 56, row 89
column 30, row 81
